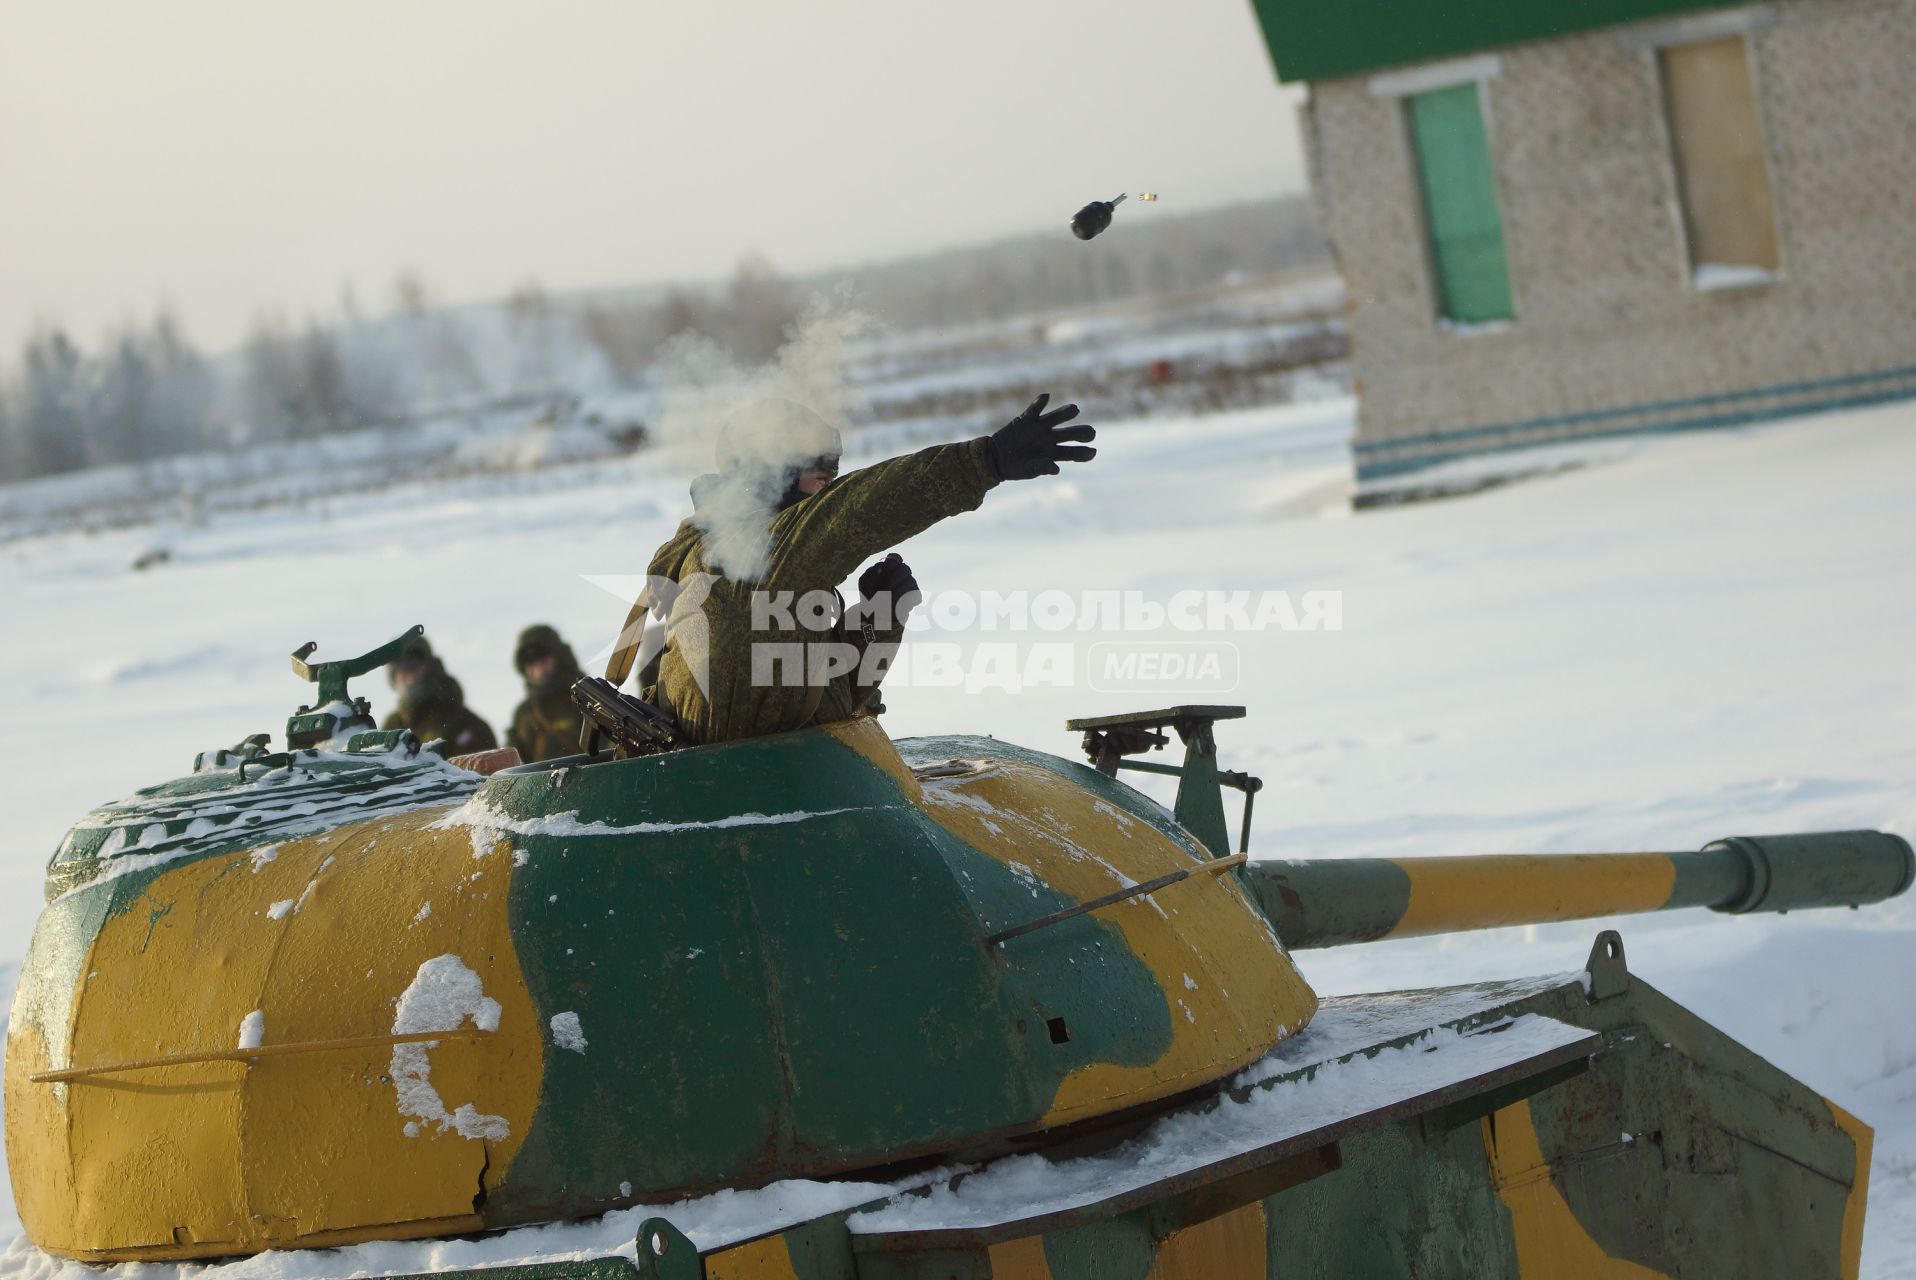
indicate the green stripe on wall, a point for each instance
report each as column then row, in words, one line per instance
column 1316, row 41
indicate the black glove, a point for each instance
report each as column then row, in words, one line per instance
column 889, row 583
column 890, row 574
column 1033, row 443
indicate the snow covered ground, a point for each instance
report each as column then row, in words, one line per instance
column 1693, row 637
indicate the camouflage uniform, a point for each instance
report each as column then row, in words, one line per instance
column 546, row 725
column 434, row 706
column 815, row 543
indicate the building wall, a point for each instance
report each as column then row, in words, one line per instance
column 1609, row 327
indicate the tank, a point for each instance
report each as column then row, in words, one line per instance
column 823, row 1005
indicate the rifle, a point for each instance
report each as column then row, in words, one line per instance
column 635, row 726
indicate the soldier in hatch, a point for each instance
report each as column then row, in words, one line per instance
column 431, row 703
column 775, row 527
column 546, row 725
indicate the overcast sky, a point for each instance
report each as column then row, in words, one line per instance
column 234, row 155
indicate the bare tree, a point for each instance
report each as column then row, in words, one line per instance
column 536, row 324
column 440, row 349
column 433, row 340
column 628, row 337
column 269, row 383
column 326, row 396
column 181, row 409
column 119, row 408
column 761, row 309
column 411, row 296
column 52, row 406
column 16, row 459
column 683, row 312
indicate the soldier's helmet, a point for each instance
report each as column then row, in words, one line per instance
column 415, row 659
column 540, row 640
column 771, row 442
column 418, row 676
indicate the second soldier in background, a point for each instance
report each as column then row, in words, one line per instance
column 546, row 725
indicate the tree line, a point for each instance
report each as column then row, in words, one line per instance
column 146, row 391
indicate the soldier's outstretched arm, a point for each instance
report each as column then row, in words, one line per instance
column 876, row 507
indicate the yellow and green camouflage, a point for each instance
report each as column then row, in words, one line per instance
column 771, row 956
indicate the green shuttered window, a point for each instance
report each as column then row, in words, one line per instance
column 1460, row 204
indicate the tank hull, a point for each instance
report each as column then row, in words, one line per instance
column 1628, row 1139
column 1576, row 1125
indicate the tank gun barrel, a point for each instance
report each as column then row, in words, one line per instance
column 1335, row 901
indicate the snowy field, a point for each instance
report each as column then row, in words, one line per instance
column 1694, row 637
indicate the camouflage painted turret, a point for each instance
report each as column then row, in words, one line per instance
column 349, row 992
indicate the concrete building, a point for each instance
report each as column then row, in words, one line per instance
column 1562, row 220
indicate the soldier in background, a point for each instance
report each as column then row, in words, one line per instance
column 546, row 725
column 432, row 704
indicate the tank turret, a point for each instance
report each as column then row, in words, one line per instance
column 599, row 981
